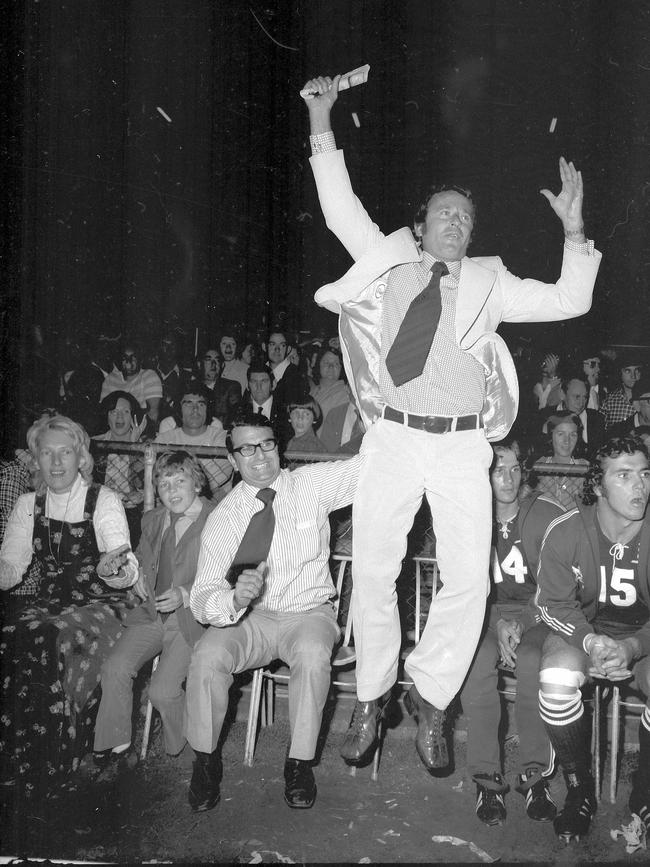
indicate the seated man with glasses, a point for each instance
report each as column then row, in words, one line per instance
column 264, row 587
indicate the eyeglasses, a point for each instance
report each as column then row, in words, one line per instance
column 248, row 450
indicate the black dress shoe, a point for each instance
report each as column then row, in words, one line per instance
column 300, row 786
column 431, row 739
column 111, row 764
column 361, row 738
column 204, row 785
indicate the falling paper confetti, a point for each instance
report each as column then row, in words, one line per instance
column 164, row 114
column 553, row 124
column 355, row 118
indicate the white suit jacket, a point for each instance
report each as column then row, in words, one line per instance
column 487, row 295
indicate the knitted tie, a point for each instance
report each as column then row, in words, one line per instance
column 408, row 354
column 256, row 541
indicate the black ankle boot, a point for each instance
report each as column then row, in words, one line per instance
column 204, row 785
column 300, row 786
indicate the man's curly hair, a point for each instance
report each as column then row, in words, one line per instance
column 612, row 448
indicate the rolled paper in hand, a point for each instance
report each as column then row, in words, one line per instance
column 350, row 79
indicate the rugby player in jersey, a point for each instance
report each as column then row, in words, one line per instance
column 512, row 635
column 594, row 594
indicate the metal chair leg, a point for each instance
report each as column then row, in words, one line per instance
column 147, row 720
column 616, row 720
column 381, row 730
column 253, row 713
column 595, row 740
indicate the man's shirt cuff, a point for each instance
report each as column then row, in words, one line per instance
column 322, row 143
column 220, row 609
column 585, row 248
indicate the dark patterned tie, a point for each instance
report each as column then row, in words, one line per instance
column 407, row 356
column 256, row 541
column 165, row 572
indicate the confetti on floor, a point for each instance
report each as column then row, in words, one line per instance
column 456, row 841
column 634, row 834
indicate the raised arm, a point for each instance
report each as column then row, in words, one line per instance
column 344, row 214
column 568, row 202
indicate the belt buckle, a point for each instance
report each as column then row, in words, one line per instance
column 437, row 424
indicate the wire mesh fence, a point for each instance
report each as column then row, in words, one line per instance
column 127, row 469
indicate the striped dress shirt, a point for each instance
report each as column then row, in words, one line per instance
column 298, row 576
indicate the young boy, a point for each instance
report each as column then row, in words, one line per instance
column 163, row 623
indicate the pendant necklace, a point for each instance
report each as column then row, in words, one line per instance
column 49, row 531
column 504, row 526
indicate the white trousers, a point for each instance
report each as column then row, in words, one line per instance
column 452, row 469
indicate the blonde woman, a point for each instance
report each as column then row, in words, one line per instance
column 51, row 651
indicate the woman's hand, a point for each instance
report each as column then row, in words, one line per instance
column 111, row 562
column 137, row 429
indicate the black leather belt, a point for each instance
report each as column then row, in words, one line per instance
column 437, row 424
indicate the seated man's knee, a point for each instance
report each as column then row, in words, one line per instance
column 563, row 667
column 312, row 654
column 213, row 651
column 557, row 653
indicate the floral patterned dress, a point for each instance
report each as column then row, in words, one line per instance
column 51, row 652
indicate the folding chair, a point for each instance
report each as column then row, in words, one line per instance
column 344, row 656
column 634, row 703
column 147, row 719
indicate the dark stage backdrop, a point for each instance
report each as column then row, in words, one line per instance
column 155, row 156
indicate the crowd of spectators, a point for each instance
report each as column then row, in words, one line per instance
column 128, row 390
column 122, row 393
column 76, row 380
